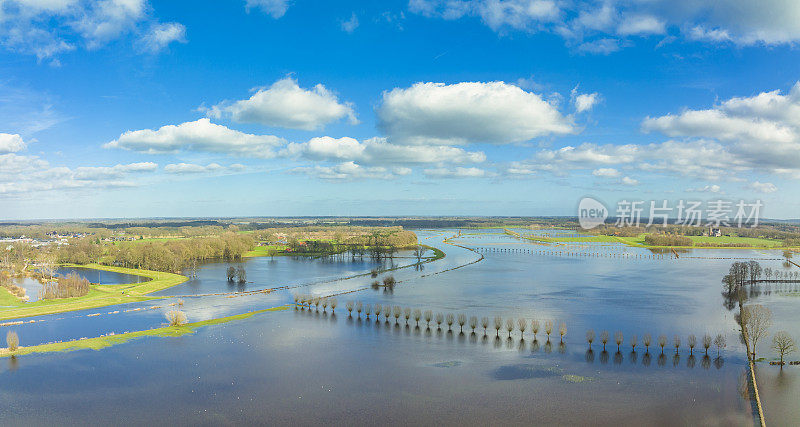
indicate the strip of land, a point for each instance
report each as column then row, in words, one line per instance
column 98, row 296
column 99, row 343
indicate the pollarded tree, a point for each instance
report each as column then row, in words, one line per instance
column 473, row 323
column 783, row 343
column 462, row 319
column 484, row 324
column 676, row 341
column 720, row 342
column 439, row 319
column 590, row 337
column 756, row 320
column 324, row 304
column 387, row 311
column 367, row 310
column 450, row 319
column 618, row 339
column 509, row 326
column 534, row 328
column 417, row 315
column 428, row 317
column 692, row 341
column 706, row 342
column 397, row 311
column 562, row 331
column 498, row 323
column 548, row 328
column 349, row 305
column 407, row 314
column 359, row 308
column 647, row 340
column 334, row 303
column 634, row 342
column 662, row 341
column 522, row 324
column 378, row 310
column 604, row 339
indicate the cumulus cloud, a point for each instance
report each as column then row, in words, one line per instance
column 11, row 143
column 763, row 187
column 593, row 25
column 470, row 112
column 352, row 171
column 285, row 104
column 46, row 28
column 162, row 35
column 762, row 131
column 191, row 168
column 201, row 136
column 629, row 181
column 273, row 8
column 584, row 101
column 458, row 172
column 378, row 151
column 606, row 172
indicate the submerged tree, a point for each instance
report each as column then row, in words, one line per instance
column 450, row 319
column 417, row 315
column 324, row 304
column 756, row 320
column 334, row 304
column 359, row 308
column 720, row 342
column 706, row 342
column 473, row 323
column 590, row 337
column 231, row 273
column 397, row 311
column 462, row 319
column 633, row 342
column 534, row 328
column 548, row 328
column 692, row 341
column 367, row 310
column 378, row 310
column 498, row 323
column 509, row 326
column 677, row 342
column 439, row 319
column 647, row 340
column 604, row 339
column 484, row 324
column 175, row 317
column 428, row 317
column 562, row 331
column 618, row 339
column 662, row 341
column 407, row 314
column 522, row 324
column 349, row 306
column 783, row 343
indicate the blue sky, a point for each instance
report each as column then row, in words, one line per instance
column 120, row 108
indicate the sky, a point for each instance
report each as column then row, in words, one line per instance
column 137, row 108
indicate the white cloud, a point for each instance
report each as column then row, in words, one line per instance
column 11, row 143
column 629, row 181
column 584, row 101
column 161, row 35
column 116, row 171
column 46, row 28
column 190, row 168
column 351, row 24
column 352, row 171
column 744, row 22
column 285, row 104
column 378, row 151
column 606, row 172
column 458, row 172
column 201, row 136
column 763, row 187
column 493, row 112
column 762, row 131
column 274, row 8
column 705, row 189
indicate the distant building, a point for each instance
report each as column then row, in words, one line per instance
column 714, row 232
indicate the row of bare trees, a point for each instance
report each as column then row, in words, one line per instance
column 308, row 301
column 647, row 340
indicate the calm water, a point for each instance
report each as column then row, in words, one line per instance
column 306, row 367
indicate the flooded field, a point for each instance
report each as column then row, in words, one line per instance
column 308, row 366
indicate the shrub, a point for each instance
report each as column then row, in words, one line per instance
column 12, row 341
column 175, row 317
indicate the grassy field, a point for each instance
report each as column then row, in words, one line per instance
column 755, row 243
column 264, row 251
column 6, row 298
column 99, row 343
column 98, row 296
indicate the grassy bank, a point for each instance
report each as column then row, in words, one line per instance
column 98, row 296
column 99, row 343
column 638, row 241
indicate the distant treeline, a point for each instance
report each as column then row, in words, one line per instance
column 787, row 233
column 168, row 255
column 667, row 240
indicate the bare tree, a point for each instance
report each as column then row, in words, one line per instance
column 367, row 310
column 562, row 331
column 378, row 310
column 428, row 317
column 534, row 328
column 756, row 320
column 662, row 341
column 334, row 303
column 604, row 339
column 439, row 319
column 548, row 328
column 498, row 323
column 706, row 342
column 522, row 324
column 450, row 319
column 677, row 342
column 692, row 341
column 509, row 326
column 417, row 315
column 359, row 308
column 349, row 305
column 647, row 339
column 634, row 342
column 783, row 343
column 720, row 342
column 397, row 311
column 462, row 319
column 407, row 314
column 324, row 304
column 473, row 323
column 175, row 317
column 590, row 337
column 419, row 251
column 12, row 341
column 618, row 338
column 484, row 324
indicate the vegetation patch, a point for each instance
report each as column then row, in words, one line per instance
column 99, row 343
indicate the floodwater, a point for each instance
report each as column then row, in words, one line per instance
column 307, row 366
